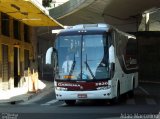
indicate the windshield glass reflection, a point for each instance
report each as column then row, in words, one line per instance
column 82, row 57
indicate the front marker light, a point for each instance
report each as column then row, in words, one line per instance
column 103, row 88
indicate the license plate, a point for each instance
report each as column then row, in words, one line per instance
column 82, row 95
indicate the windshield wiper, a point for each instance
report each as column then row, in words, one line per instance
column 72, row 67
column 87, row 65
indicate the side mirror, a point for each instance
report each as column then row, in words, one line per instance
column 54, row 50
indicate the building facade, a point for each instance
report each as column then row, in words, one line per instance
column 17, row 50
column 19, row 21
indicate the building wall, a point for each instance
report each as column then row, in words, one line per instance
column 149, row 55
column 15, row 69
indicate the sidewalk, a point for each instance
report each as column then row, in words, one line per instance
column 17, row 95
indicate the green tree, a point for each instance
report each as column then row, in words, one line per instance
column 46, row 3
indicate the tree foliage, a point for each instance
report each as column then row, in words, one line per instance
column 46, row 3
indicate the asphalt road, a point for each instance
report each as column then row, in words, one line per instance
column 145, row 104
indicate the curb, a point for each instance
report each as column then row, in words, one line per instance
column 39, row 95
column 27, row 96
column 31, row 95
column 12, row 102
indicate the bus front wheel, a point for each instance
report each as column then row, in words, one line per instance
column 117, row 99
column 70, row 102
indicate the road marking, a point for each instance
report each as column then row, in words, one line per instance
column 150, row 101
column 146, row 92
column 50, row 102
column 27, row 103
column 154, row 82
column 130, row 102
column 63, row 104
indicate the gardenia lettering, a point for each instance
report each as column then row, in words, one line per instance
column 68, row 84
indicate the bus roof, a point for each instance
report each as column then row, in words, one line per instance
column 91, row 28
column 83, row 28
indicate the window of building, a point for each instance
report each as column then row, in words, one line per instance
column 26, row 33
column 5, row 69
column 16, row 29
column 5, row 24
column 26, row 59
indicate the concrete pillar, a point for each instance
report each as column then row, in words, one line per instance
column 0, row 24
column 33, row 39
column 0, row 65
column 11, row 66
column 21, row 61
column 0, row 56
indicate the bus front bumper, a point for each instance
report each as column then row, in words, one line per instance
column 80, row 95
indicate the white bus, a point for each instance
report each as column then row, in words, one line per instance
column 94, row 61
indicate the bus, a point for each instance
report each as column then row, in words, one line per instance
column 94, row 61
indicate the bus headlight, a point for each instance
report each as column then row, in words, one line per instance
column 61, row 88
column 103, row 87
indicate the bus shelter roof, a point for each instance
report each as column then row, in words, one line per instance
column 30, row 12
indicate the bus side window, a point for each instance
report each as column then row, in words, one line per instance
column 131, row 53
column 111, row 55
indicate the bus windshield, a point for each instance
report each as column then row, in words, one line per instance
column 82, row 57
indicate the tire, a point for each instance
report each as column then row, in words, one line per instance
column 131, row 94
column 117, row 99
column 70, row 102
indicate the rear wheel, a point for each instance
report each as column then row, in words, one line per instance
column 70, row 102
